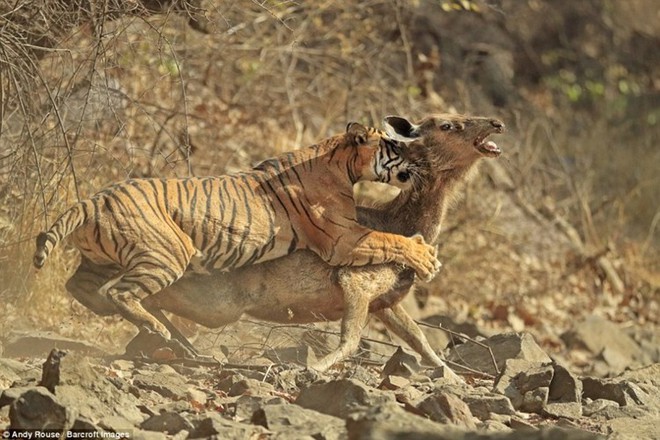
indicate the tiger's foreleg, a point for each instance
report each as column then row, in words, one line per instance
column 380, row 247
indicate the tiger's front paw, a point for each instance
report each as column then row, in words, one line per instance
column 424, row 259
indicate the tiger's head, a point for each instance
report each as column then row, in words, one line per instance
column 382, row 157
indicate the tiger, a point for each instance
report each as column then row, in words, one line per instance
column 155, row 230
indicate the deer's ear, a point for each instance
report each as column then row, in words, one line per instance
column 400, row 128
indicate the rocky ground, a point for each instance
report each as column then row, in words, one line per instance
column 513, row 390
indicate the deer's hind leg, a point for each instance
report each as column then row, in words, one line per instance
column 401, row 324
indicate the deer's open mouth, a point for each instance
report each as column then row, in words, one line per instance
column 488, row 148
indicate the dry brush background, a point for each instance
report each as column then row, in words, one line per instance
column 563, row 226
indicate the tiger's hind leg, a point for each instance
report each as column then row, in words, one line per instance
column 144, row 278
column 85, row 284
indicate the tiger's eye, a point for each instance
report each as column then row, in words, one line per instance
column 445, row 127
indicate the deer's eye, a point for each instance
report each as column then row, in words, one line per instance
column 403, row 176
column 445, row 127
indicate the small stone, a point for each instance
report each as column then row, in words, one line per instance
column 597, row 405
column 393, row 383
column 292, row 420
column 401, row 364
column 622, row 392
column 565, row 386
column 504, row 346
column 37, row 408
column 340, row 397
column 251, row 387
column 167, row 422
column 520, row 424
column 172, row 386
column 245, row 406
column 213, row 425
column 447, row 408
column 568, row 410
column 484, row 406
column 534, row 401
column 197, row 396
column 525, row 383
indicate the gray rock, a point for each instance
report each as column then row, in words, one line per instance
column 504, row 346
column 483, row 406
column 172, row 386
column 245, row 406
column 340, row 398
column 534, row 401
column 566, row 410
column 565, row 386
column 390, row 422
column 83, row 424
column 646, row 375
column 401, row 364
column 622, row 392
column 447, row 408
column 593, row 407
column 443, row 372
column 115, row 423
column 213, row 424
column 167, row 422
column 9, row 395
column 393, row 383
column 92, row 394
column 525, row 383
column 618, row 350
column 292, row 420
column 39, row 409
column 252, row 387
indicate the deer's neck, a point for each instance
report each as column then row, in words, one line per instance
column 419, row 212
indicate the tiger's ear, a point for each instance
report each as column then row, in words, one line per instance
column 401, row 129
column 358, row 132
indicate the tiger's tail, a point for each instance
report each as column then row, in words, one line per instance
column 68, row 222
